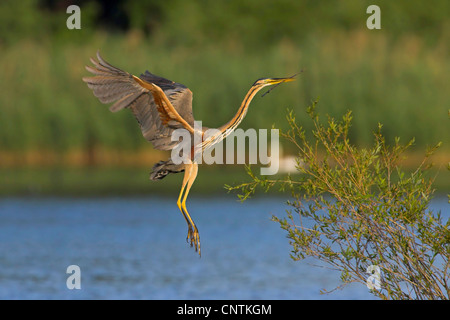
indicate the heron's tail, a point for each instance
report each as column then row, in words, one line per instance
column 163, row 168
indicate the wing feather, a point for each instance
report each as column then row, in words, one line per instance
column 158, row 104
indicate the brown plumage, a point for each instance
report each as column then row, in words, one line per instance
column 111, row 84
column 160, row 106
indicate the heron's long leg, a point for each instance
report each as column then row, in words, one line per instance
column 195, row 237
column 187, row 172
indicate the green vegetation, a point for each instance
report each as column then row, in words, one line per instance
column 398, row 75
column 357, row 207
column 111, row 181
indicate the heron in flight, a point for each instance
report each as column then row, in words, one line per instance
column 161, row 106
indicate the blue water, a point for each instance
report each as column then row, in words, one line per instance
column 135, row 248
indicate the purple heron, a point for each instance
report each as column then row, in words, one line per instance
column 161, row 106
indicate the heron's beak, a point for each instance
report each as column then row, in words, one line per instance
column 276, row 81
column 280, row 80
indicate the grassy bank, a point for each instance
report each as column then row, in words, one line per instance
column 132, row 181
column 110, row 181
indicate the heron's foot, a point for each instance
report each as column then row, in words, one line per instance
column 193, row 237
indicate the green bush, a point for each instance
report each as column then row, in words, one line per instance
column 354, row 208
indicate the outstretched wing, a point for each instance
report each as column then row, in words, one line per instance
column 159, row 105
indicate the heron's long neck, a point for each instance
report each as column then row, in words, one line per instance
column 242, row 111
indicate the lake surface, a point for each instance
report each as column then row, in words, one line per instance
column 135, row 248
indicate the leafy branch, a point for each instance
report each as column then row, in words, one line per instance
column 353, row 208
